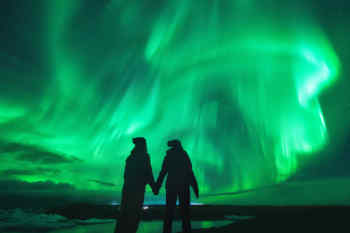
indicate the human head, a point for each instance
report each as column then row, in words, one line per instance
column 140, row 143
column 174, row 143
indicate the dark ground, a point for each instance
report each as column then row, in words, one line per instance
column 265, row 218
column 290, row 219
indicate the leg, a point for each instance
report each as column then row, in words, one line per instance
column 130, row 212
column 171, row 197
column 122, row 219
column 138, row 211
column 185, row 210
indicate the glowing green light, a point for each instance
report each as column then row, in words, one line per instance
column 235, row 82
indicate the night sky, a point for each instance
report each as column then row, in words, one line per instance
column 257, row 91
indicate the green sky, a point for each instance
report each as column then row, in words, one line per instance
column 255, row 91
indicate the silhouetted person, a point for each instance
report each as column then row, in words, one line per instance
column 137, row 173
column 178, row 166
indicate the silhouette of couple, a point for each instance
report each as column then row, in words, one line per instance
column 138, row 173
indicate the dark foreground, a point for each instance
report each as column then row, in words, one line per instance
column 264, row 218
column 289, row 219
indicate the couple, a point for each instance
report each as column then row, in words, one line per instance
column 138, row 173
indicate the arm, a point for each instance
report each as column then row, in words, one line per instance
column 126, row 169
column 149, row 174
column 193, row 180
column 162, row 174
column 194, row 184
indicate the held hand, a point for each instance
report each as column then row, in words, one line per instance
column 197, row 194
column 155, row 190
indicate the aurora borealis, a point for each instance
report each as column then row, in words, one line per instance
column 240, row 83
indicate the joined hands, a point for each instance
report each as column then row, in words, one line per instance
column 155, row 190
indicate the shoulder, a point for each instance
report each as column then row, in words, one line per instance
column 169, row 153
column 170, row 149
column 186, row 157
column 128, row 158
column 185, row 153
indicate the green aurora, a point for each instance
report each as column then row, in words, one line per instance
column 238, row 82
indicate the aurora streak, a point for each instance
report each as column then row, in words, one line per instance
column 238, row 82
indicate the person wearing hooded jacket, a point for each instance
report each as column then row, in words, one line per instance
column 177, row 165
column 137, row 174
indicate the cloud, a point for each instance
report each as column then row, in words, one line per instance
column 15, row 172
column 103, row 183
column 35, row 154
column 46, row 157
column 29, row 172
column 21, row 194
column 22, row 186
